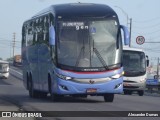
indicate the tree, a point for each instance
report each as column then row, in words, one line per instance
column 10, row 59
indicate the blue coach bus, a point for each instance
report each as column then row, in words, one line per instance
column 73, row 49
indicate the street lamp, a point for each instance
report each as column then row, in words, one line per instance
column 130, row 23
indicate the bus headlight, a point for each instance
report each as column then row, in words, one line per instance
column 63, row 77
column 142, row 79
column 117, row 76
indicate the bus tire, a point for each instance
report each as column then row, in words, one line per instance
column 127, row 92
column 109, row 97
column 141, row 93
column 42, row 94
column 32, row 92
column 54, row 97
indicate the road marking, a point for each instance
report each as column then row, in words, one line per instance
column 16, row 71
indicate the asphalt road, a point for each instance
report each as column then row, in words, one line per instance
column 14, row 96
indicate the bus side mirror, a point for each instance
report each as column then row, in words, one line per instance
column 51, row 35
column 126, row 34
column 147, row 60
column 147, row 63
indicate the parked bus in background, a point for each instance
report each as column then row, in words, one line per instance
column 17, row 60
column 135, row 74
column 4, row 69
column 73, row 49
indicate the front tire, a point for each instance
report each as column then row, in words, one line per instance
column 141, row 93
column 127, row 92
column 109, row 97
column 54, row 97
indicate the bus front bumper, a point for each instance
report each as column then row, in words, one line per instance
column 4, row 75
column 70, row 87
column 134, row 86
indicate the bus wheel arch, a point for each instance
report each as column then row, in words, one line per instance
column 54, row 97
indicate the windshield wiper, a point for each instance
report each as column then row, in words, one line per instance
column 100, row 57
column 79, row 56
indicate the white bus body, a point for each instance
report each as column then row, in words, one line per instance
column 4, row 69
column 134, row 61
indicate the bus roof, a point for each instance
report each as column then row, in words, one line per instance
column 132, row 49
column 78, row 10
column 3, row 62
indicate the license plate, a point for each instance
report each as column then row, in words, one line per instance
column 126, row 84
column 91, row 90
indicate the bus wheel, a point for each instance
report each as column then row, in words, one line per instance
column 42, row 94
column 32, row 92
column 127, row 92
column 109, row 97
column 141, row 93
column 55, row 97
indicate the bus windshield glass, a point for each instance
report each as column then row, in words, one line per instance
column 134, row 62
column 88, row 44
column 4, row 67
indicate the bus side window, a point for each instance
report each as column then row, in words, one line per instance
column 24, row 35
column 30, row 34
column 40, row 34
column 51, row 19
column 51, row 23
column 37, row 30
column 47, row 28
column 34, row 32
column 44, row 29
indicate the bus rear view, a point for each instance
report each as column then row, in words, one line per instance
column 134, row 62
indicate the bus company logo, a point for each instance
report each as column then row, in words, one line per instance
column 91, row 81
column 6, row 114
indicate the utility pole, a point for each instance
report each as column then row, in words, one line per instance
column 130, row 31
column 158, row 69
column 129, row 22
column 14, row 40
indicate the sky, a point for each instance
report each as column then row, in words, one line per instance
column 145, row 16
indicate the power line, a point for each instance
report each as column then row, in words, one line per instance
column 149, row 20
column 152, row 42
column 155, row 37
column 149, row 39
column 152, row 50
column 150, row 26
column 148, row 32
column 10, row 41
column 5, row 44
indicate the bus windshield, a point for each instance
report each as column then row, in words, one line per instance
column 4, row 67
column 134, row 62
column 89, row 44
